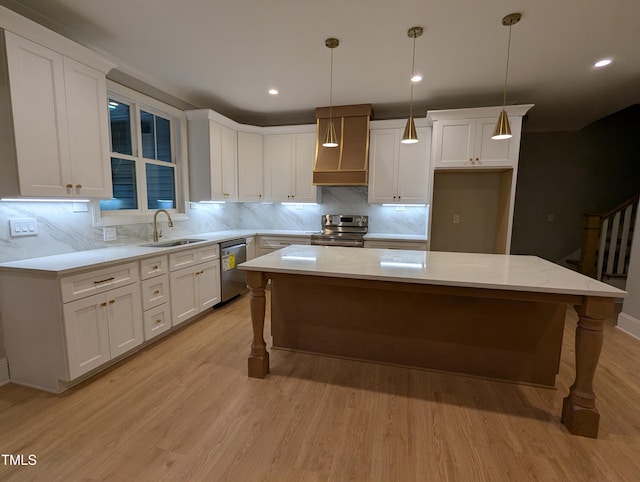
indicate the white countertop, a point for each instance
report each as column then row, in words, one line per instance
column 65, row 264
column 491, row 271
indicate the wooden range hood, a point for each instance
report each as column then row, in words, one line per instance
column 347, row 164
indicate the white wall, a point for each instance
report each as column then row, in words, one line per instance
column 629, row 318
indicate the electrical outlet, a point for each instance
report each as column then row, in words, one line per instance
column 551, row 217
column 109, row 233
column 456, row 219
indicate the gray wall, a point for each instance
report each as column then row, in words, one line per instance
column 565, row 174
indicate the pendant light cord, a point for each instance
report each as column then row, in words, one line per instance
column 331, row 90
column 506, row 72
column 413, row 65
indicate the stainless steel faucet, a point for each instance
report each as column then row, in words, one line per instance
column 157, row 235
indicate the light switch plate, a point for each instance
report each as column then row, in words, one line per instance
column 23, row 227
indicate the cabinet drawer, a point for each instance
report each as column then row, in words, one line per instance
column 184, row 259
column 154, row 267
column 410, row 245
column 97, row 281
column 157, row 320
column 155, row 291
column 277, row 242
column 208, row 253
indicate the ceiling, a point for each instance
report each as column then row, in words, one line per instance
column 225, row 55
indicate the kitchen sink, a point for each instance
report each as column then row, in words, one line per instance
column 173, row 243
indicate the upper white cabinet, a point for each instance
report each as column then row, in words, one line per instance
column 462, row 138
column 55, row 115
column 289, row 162
column 250, row 167
column 399, row 173
column 213, row 157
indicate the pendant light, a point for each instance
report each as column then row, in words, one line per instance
column 503, row 129
column 410, row 136
column 330, row 138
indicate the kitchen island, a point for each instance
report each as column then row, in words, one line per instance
column 495, row 316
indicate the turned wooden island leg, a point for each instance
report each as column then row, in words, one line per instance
column 259, row 358
column 579, row 412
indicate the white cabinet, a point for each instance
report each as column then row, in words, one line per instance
column 250, row 167
column 462, row 138
column 271, row 243
column 474, row 180
column 59, row 113
column 396, row 244
column 79, row 323
column 399, row 173
column 101, row 327
column 195, row 282
column 155, row 296
column 213, row 158
column 289, row 162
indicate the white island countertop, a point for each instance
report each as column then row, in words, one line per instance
column 469, row 270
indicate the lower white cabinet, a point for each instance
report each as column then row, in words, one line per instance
column 101, row 327
column 155, row 296
column 194, row 289
column 194, row 281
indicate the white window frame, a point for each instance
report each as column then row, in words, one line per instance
column 140, row 102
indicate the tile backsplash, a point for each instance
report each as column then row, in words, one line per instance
column 66, row 227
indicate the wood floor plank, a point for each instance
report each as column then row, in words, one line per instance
column 184, row 409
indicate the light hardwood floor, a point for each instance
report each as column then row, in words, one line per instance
column 184, row 409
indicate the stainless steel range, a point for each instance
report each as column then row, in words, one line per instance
column 342, row 230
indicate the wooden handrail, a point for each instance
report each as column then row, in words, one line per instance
column 622, row 206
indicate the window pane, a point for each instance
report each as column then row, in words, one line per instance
column 156, row 137
column 125, row 194
column 163, row 139
column 148, row 135
column 161, row 193
column 120, row 117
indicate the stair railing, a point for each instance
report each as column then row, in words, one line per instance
column 606, row 240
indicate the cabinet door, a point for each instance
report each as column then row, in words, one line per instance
column 382, row 166
column 184, row 295
column 36, row 77
column 229, row 164
column 251, row 248
column 454, row 142
column 489, row 152
column 304, row 153
column 413, row 169
column 86, row 94
column 86, row 334
column 208, row 281
column 124, row 316
column 250, row 167
column 277, row 156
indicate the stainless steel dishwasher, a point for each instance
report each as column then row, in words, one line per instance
column 233, row 281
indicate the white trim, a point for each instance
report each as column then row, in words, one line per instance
column 476, row 112
column 4, row 371
column 629, row 325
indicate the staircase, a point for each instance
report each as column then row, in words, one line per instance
column 606, row 243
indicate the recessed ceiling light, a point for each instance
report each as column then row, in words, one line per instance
column 416, row 78
column 602, row 63
column 273, row 91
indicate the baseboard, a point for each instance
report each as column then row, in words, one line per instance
column 4, row 371
column 629, row 325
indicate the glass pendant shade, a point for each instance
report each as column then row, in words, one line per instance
column 330, row 138
column 410, row 136
column 503, row 129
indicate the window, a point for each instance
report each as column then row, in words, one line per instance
column 146, row 158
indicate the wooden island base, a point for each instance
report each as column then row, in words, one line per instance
column 501, row 334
